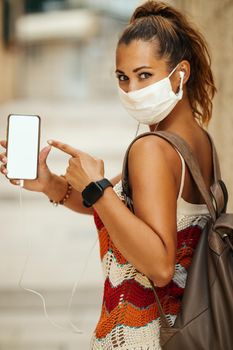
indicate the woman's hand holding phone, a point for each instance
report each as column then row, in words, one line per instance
column 44, row 174
column 81, row 170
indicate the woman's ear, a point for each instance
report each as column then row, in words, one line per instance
column 185, row 68
column 182, row 72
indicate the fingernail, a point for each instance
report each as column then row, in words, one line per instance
column 50, row 142
column 17, row 182
column 4, row 160
column 5, row 171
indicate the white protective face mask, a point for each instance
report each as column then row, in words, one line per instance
column 153, row 103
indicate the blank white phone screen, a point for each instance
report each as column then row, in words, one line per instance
column 23, row 146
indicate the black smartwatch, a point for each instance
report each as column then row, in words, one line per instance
column 94, row 191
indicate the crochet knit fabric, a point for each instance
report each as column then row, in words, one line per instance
column 129, row 317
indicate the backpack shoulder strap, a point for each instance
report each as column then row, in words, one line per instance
column 218, row 188
column 216, row 167
column 190, row 160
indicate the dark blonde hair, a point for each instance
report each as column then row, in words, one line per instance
column 176, row 39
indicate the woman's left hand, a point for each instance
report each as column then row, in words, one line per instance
column 82, row 168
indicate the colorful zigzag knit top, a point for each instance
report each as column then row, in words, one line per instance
column 129, row 318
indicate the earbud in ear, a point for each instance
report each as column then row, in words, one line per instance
column 182, row 74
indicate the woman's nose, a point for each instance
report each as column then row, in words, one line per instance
column 133, row 85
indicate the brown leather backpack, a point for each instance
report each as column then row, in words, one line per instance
column 205, row 321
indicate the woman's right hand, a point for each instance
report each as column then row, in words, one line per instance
column 44, row 174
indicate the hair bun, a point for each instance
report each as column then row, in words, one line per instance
column 150, row 8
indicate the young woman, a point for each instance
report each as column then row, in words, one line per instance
column 165, row 81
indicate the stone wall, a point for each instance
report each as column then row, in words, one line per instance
column 214, row 18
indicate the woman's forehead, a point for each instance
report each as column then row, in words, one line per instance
column 137, row 53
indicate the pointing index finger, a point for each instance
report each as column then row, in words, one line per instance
column 64, row 147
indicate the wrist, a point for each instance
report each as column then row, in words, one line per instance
column 94, row 191
column 103, row 201
column 56, row 187
column 65, row 197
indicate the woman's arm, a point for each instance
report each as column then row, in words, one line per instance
column 148, row 238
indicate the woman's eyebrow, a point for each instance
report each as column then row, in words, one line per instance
column 119, row 71
column 135, row 70
column 142, row 67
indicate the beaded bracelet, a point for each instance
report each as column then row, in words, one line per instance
column 66, row 196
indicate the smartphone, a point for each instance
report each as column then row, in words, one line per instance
column 23, row 145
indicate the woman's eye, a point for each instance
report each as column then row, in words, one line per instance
column 122, row 77
column 145, row 75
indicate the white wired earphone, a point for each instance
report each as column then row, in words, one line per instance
column 73, row 328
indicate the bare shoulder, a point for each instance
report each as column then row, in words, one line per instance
column 155, row 148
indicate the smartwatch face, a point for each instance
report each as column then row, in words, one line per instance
column 92, row 193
